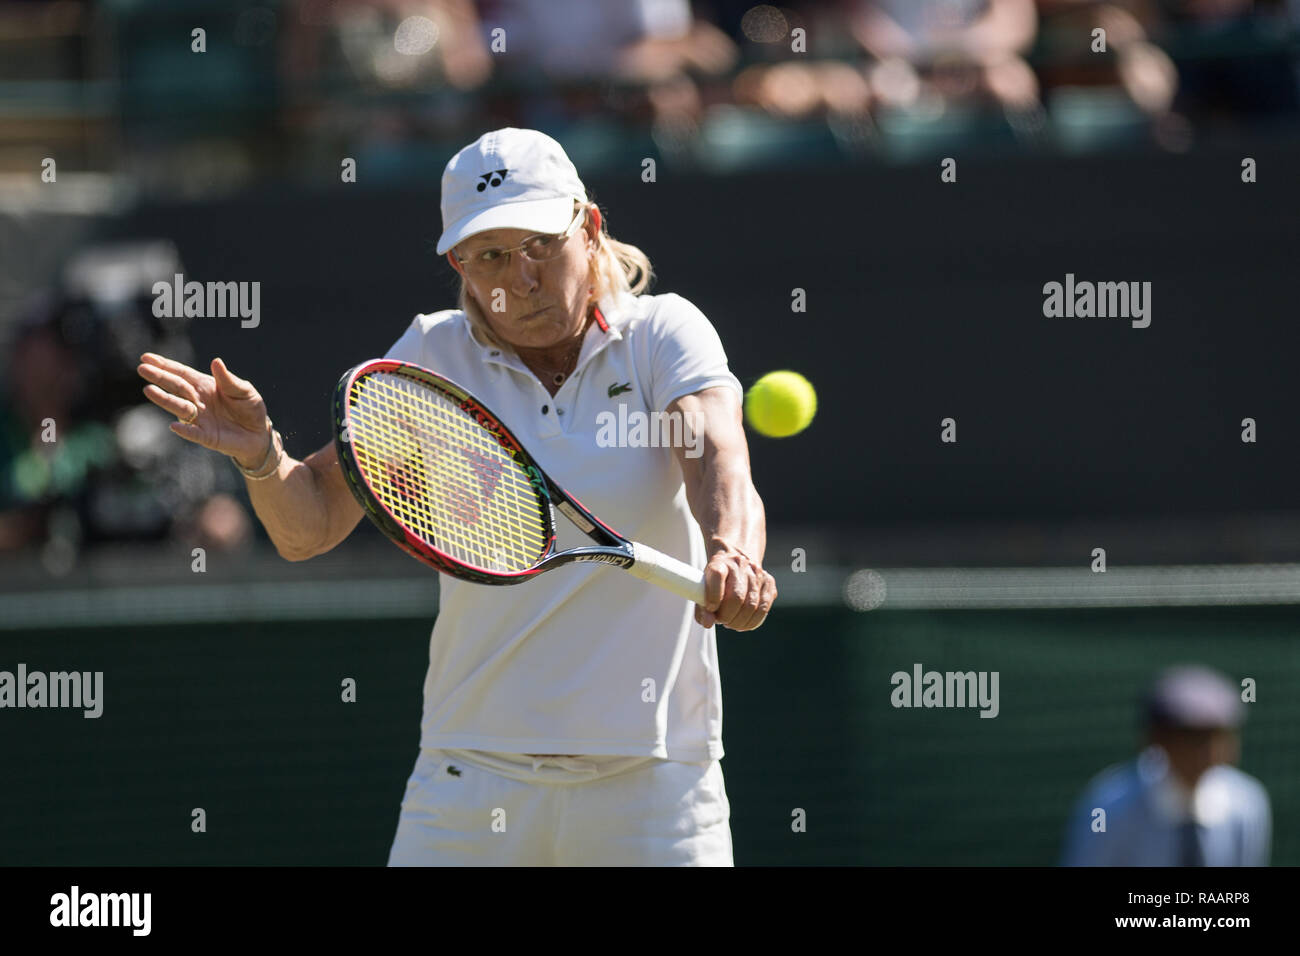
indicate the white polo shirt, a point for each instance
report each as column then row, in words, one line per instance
column 586, row 659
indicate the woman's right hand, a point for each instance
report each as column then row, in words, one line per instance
column 230, row 415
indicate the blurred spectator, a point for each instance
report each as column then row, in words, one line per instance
column 1180, row 803
column 384, row 44
column 798, row 89
column 43, row 384
column 657, row 45
column 803, row 84
column 83, row 457
column 641, row 41
column 952, row 50
column 1133, row 71
column 334, row 50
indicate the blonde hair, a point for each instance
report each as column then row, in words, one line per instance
column 617, row 267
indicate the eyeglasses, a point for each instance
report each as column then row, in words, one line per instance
column 488, row 263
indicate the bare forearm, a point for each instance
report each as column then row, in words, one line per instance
column 305, row 506
column 729, row 511
column 291, row 507
column 738, row 592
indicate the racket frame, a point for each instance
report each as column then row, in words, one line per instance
column 610, row 547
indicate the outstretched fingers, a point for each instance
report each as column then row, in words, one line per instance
column 177, row 389
column 230, row 384
column 182, row 408
column 161, row 364
column 170, row 384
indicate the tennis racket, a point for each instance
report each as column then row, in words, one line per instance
column 442, row 477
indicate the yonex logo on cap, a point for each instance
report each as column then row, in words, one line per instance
column 533, row 187
column 491, row 179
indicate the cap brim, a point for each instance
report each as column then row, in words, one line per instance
column 538, row 215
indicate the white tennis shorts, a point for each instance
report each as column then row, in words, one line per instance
column 476, row 809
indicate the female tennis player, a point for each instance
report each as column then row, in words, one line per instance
column 575, row 719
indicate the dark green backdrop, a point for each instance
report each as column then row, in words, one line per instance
column 246, row 721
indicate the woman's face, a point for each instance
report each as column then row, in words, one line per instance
column 537, row 304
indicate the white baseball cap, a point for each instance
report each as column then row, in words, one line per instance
column 508, row 179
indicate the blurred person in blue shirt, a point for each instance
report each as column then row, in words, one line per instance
column 1180, row 802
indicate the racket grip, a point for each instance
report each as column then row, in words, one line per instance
column 667, row 572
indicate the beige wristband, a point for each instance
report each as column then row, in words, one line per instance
column 268, row 467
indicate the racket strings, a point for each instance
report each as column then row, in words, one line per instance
column 468, row 475
column 440, row 486
column 443, row 475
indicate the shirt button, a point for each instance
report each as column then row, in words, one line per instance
column 495, row 354
column 545, row 409
column 559, row 411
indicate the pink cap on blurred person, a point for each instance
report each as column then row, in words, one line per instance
column 508, row 179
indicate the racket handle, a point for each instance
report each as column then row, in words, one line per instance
column 667, row 572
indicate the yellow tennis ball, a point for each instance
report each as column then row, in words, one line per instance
column 780, row 404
